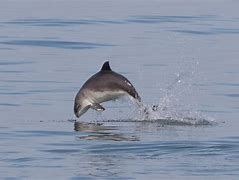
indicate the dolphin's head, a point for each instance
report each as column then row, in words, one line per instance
column 79, row 109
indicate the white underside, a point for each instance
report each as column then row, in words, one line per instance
column 99, row 97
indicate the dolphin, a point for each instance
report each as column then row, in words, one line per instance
column 103, row 86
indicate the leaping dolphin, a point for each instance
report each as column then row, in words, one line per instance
column 103, row 86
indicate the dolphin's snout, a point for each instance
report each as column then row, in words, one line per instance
column 77, row 115
column 77, row 109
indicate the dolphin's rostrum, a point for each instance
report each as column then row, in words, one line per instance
column 103, row 86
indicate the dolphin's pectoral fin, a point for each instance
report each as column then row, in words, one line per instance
column 97, row 107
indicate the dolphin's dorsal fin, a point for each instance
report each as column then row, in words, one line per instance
column 106, row 66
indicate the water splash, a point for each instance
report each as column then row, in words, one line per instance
column 177, row 105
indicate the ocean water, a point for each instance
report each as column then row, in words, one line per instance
column 182, row 56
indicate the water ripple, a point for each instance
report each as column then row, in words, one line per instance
column 187, row 148
column 168, row 19
column 9, row 62
column 11, row 71
column 9, row 104
column 56, row 44
column 195, row 32
column 36, row 133
column 233, row 95
column 61, row 22
column 228, row 84
column 214, row 31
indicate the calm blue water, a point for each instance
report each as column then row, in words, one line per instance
column 180, row 55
